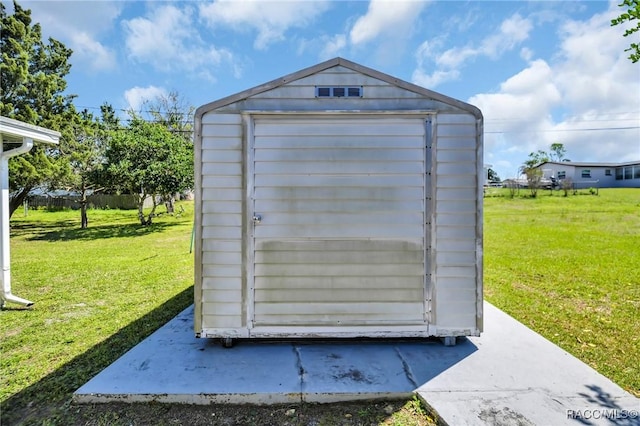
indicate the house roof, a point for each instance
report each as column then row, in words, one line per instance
column 14, row 131
column 586, row 164
column 330, row 64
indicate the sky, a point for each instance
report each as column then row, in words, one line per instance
column 541, row 72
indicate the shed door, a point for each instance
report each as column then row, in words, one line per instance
column 341, row 235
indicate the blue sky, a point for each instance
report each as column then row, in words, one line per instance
column 541, row 71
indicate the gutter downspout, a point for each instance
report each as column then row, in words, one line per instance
column 6, row 295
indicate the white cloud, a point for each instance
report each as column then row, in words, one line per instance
column 100, row 57
column 136, row 96
column 385, row 18
column 167, row 39
column 593, row 89
column 79, row 25
column 271, row 19
column 512, row 32
column 333, row 46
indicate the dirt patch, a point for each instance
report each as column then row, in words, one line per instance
column 364, row 413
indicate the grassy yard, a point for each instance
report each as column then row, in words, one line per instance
column 97, row 293
column 569, row 268
column 565, row 266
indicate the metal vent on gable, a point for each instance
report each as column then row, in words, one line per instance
column 338, row 91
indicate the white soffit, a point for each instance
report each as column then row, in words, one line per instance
column 14, row 131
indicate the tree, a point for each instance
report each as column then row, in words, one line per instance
column 32, row 76
column 530, row 170
column 492, row 175
column 557, row 152
column 176, row 115
column 632, row 14
column 148, row 160
column 85, row 153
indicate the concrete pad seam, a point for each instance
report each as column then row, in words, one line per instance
column 407, row 368
column 300, row 368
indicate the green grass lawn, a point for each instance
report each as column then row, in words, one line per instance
column 97, row 293
column 569, row 268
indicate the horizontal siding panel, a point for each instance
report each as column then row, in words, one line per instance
column 295, row 91
column 446, row 143
column 222, row 143
column 339, row 167
column 445, row 283
column 444, row 206
column 362, row 284
column 357, row 319
column 222, row 296
column 466, row 194
column 353, row 141
column 222, row 232
column 221, row 219
column 217, row 271
column 218, row 119
column 224, row 181
column 338, row 79
column 217, row 131
column 461, row 319
column 356, row 180
column 448, row 130
column 339, row 128
column 337, row 308
column 320, row 257
column 457, row 245
column 453, row 258
column 211, row 308
column 222, row 283
column 456, row 119
column 457, row 181
column 337, row 295
column 455, row 271
column 454, row 156
column 456, row 296
column 221, row 169
column 459, row 168
column 339, row 193
column 222, row 321
column 221, row 155
column 451, row 219
column 221, row 206
column 342, row 154
column 221, row 258
column 311, row 219
column 222, row 194
column 455, row 232
column 363, row 230
column 222, row 245
column 266, row 206
column 358, row 270
column 343, row 245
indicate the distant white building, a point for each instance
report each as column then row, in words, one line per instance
column 601, row 175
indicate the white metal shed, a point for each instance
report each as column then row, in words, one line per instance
column 338, row 201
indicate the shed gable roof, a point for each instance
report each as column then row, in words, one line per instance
column 335, row 62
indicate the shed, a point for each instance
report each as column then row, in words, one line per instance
column 338, row 201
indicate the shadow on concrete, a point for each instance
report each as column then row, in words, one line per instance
column 55, row 389
column 609, row 409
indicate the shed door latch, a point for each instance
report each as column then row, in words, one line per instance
column 257, row 219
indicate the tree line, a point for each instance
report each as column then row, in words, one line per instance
column 149, row 154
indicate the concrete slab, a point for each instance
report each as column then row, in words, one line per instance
column 517, row 377
column 508, row 376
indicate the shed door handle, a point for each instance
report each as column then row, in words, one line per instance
column 257, row 219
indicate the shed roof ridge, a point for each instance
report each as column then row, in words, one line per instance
column 331, row 63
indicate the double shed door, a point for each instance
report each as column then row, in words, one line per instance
column 338, row 217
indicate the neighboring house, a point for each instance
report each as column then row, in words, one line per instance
column 600, row 175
